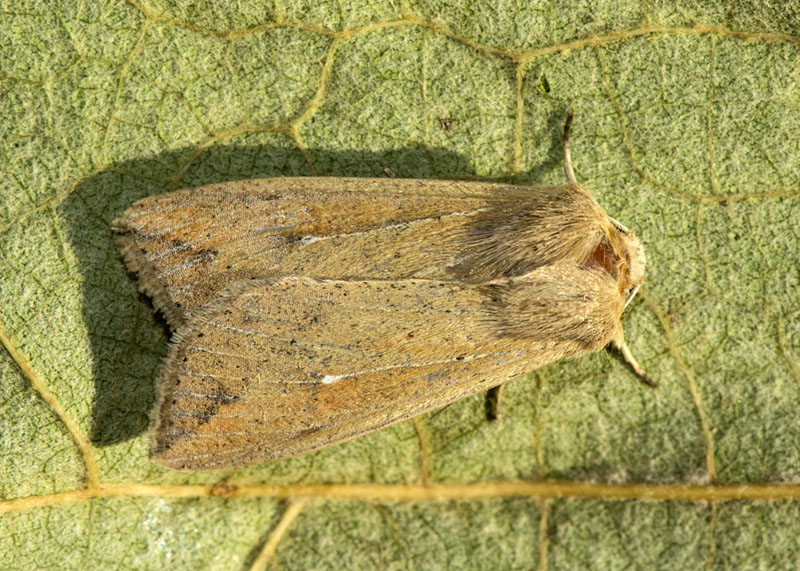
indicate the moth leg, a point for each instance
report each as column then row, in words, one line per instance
column 493, row 403
column 567, row 157
column 628, row 357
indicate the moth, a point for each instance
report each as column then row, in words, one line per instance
column 309, row 311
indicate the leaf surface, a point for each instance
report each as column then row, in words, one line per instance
column 687, row 130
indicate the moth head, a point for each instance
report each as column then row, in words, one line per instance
column 632, row 249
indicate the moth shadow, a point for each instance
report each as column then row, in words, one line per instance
column 127, row 341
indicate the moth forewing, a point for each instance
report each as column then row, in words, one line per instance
column 289, row 365
column 188, row 245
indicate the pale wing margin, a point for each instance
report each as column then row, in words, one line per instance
column 280, row 367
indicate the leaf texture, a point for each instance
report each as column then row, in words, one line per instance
column 686, row 131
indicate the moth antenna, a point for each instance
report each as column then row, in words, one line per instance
column 633, row 294
column 633, row 363
column 619, row 225
column 567, row 157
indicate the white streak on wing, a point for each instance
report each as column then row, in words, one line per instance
column 328, row 379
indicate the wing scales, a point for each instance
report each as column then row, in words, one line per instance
column 372, row 353
column 189, row 245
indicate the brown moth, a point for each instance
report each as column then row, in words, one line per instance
column 308, row 311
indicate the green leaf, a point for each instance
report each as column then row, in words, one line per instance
column 686, row 130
